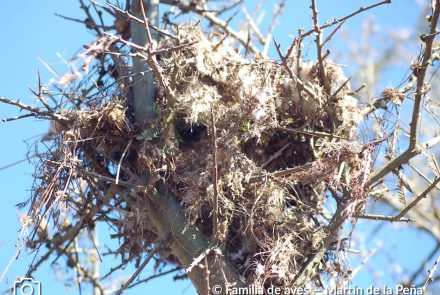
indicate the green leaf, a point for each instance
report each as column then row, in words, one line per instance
column 170, row 116
column 245, row 126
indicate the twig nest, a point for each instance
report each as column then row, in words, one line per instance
column 269, row 222
column 256, row 94
column 394, row 95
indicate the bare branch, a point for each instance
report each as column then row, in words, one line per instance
column 215, row 226
column 36, row 111
column 157, row 275
column 313, row 262
column 18, row 117
column 430, row 278
column 184, row 6
column 90, row 20
column 401, row 160
column 417, row 199
column 343, row 19
column 120, row 161
column 424, row 263
column 140, row 21
column 330, row 36
column 253, row 25
column 318, row 41
column 142, row 266
column 420, row 72
column 377, row 217
column 150, row 57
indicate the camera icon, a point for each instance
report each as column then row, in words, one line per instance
column 27, row 286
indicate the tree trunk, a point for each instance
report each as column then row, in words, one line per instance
column 164, row 211
column 143, row 80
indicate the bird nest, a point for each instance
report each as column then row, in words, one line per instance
column 278, row 145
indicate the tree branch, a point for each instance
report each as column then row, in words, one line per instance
column 318, row 41
column 420, row 72
column 142, row 266
column 214, row 20
column 36, row 111
column 342, row 19
column 187, row 242
column 402, row 159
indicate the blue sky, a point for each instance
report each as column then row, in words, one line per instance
column 29, row 29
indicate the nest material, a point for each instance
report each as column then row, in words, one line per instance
column 267, row 223
column 268, row 228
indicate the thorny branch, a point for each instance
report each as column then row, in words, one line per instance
column 430, row 278
column 318, row 41
column 36, row 111
column 420, row 91
column 140, row 21
column 343, row 19
column 420, row 73
column 417, row 199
